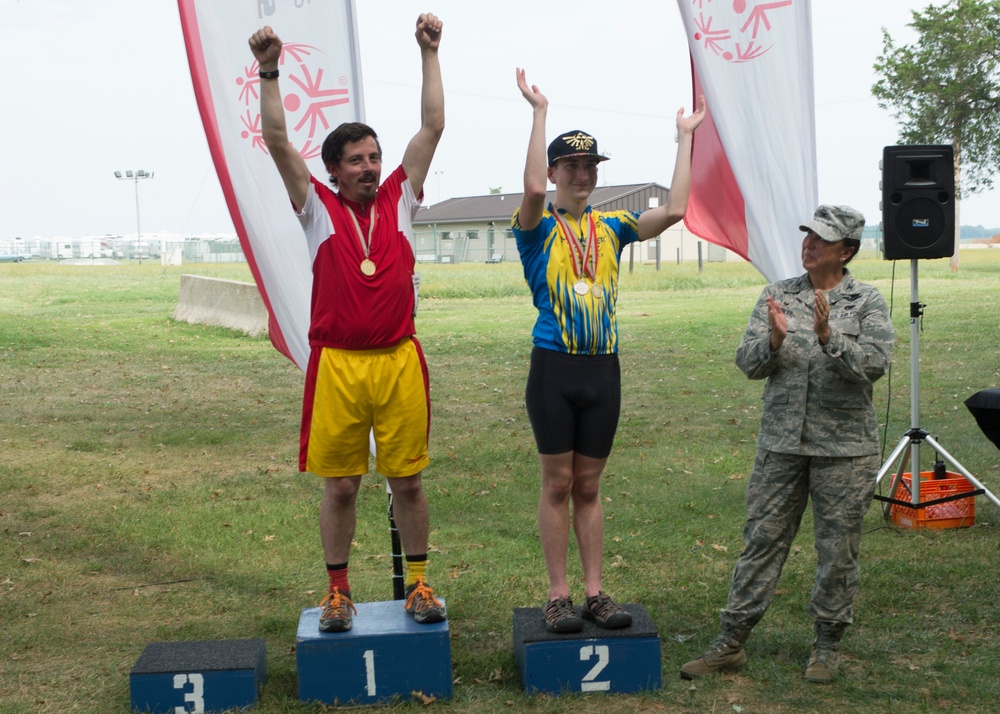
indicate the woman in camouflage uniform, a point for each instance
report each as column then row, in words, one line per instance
column 820, row 341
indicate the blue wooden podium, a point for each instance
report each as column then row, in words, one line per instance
column 594, row 660
column 384, row 656
column 209, row 676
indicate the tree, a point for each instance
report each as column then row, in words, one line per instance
column 496, row 190
column 945, row 89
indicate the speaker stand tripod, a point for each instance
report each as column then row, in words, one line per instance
column 908, row 449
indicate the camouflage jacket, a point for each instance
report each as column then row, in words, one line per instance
column 818, row 399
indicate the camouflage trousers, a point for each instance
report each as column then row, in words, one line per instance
column 841, row 489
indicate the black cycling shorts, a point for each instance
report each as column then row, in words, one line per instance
column 573, row 402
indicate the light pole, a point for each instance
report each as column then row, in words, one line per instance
column 438, row 174
column 135, row 177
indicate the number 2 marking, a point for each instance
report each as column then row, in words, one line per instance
column 603, row 655
column 196, row 696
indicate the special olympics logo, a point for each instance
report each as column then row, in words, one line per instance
column 738, row 33
column 305, row 103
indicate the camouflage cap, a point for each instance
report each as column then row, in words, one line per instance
column 574, row 143
column 836, row 223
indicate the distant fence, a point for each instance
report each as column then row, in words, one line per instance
column 172, row 252
column 221, row 303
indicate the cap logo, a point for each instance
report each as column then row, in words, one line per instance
column 580, row 141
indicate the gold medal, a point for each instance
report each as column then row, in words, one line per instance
column 367, row 265
column 583, row 250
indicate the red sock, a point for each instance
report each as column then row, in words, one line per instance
column 338, row 577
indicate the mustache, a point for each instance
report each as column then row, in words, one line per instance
column 367, row 176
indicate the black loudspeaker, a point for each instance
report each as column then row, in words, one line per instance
column 918, row 202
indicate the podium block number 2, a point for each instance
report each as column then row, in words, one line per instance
column 196, row 696
column 589, row 683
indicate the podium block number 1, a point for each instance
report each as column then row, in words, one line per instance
column 370, row 672
column 196, row 696
column 589, row 683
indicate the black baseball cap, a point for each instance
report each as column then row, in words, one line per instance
column 574, row 143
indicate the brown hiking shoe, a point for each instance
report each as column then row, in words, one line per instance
column 561, row 617
column 605, row 612
column 335, row 615
column 725, row 653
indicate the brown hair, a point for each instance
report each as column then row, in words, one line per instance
column 852, row 243
column 346, row 133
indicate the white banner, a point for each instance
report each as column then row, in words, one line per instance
column 754, row 161
column 321, row 87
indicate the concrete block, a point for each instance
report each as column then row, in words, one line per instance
column 221, row 303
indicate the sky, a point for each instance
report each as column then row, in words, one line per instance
column 104, row 85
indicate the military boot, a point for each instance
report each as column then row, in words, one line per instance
column 824, row 658
column 725, row 653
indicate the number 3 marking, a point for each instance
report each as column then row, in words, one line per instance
column 196, row 696
column 588, row 684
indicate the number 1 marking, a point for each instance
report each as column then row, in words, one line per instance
column 370, row 672
column 603, row 656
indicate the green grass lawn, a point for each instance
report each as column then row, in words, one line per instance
column 149, row 492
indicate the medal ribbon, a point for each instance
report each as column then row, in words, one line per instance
column 365, row 244
column 584, row 261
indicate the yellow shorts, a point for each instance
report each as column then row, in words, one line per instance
column 350, row 393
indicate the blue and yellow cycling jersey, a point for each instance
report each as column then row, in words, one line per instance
column 567, row 320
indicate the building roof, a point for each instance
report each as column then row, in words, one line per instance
column 501, row 206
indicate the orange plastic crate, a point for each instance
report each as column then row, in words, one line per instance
column 960, row 513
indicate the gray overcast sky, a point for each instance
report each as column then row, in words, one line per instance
column 102, row 86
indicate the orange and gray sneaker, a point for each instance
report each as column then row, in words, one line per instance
column 335, row 615
column 421, row 603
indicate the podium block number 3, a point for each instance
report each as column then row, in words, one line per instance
column 196, row 696
column 589, row 683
